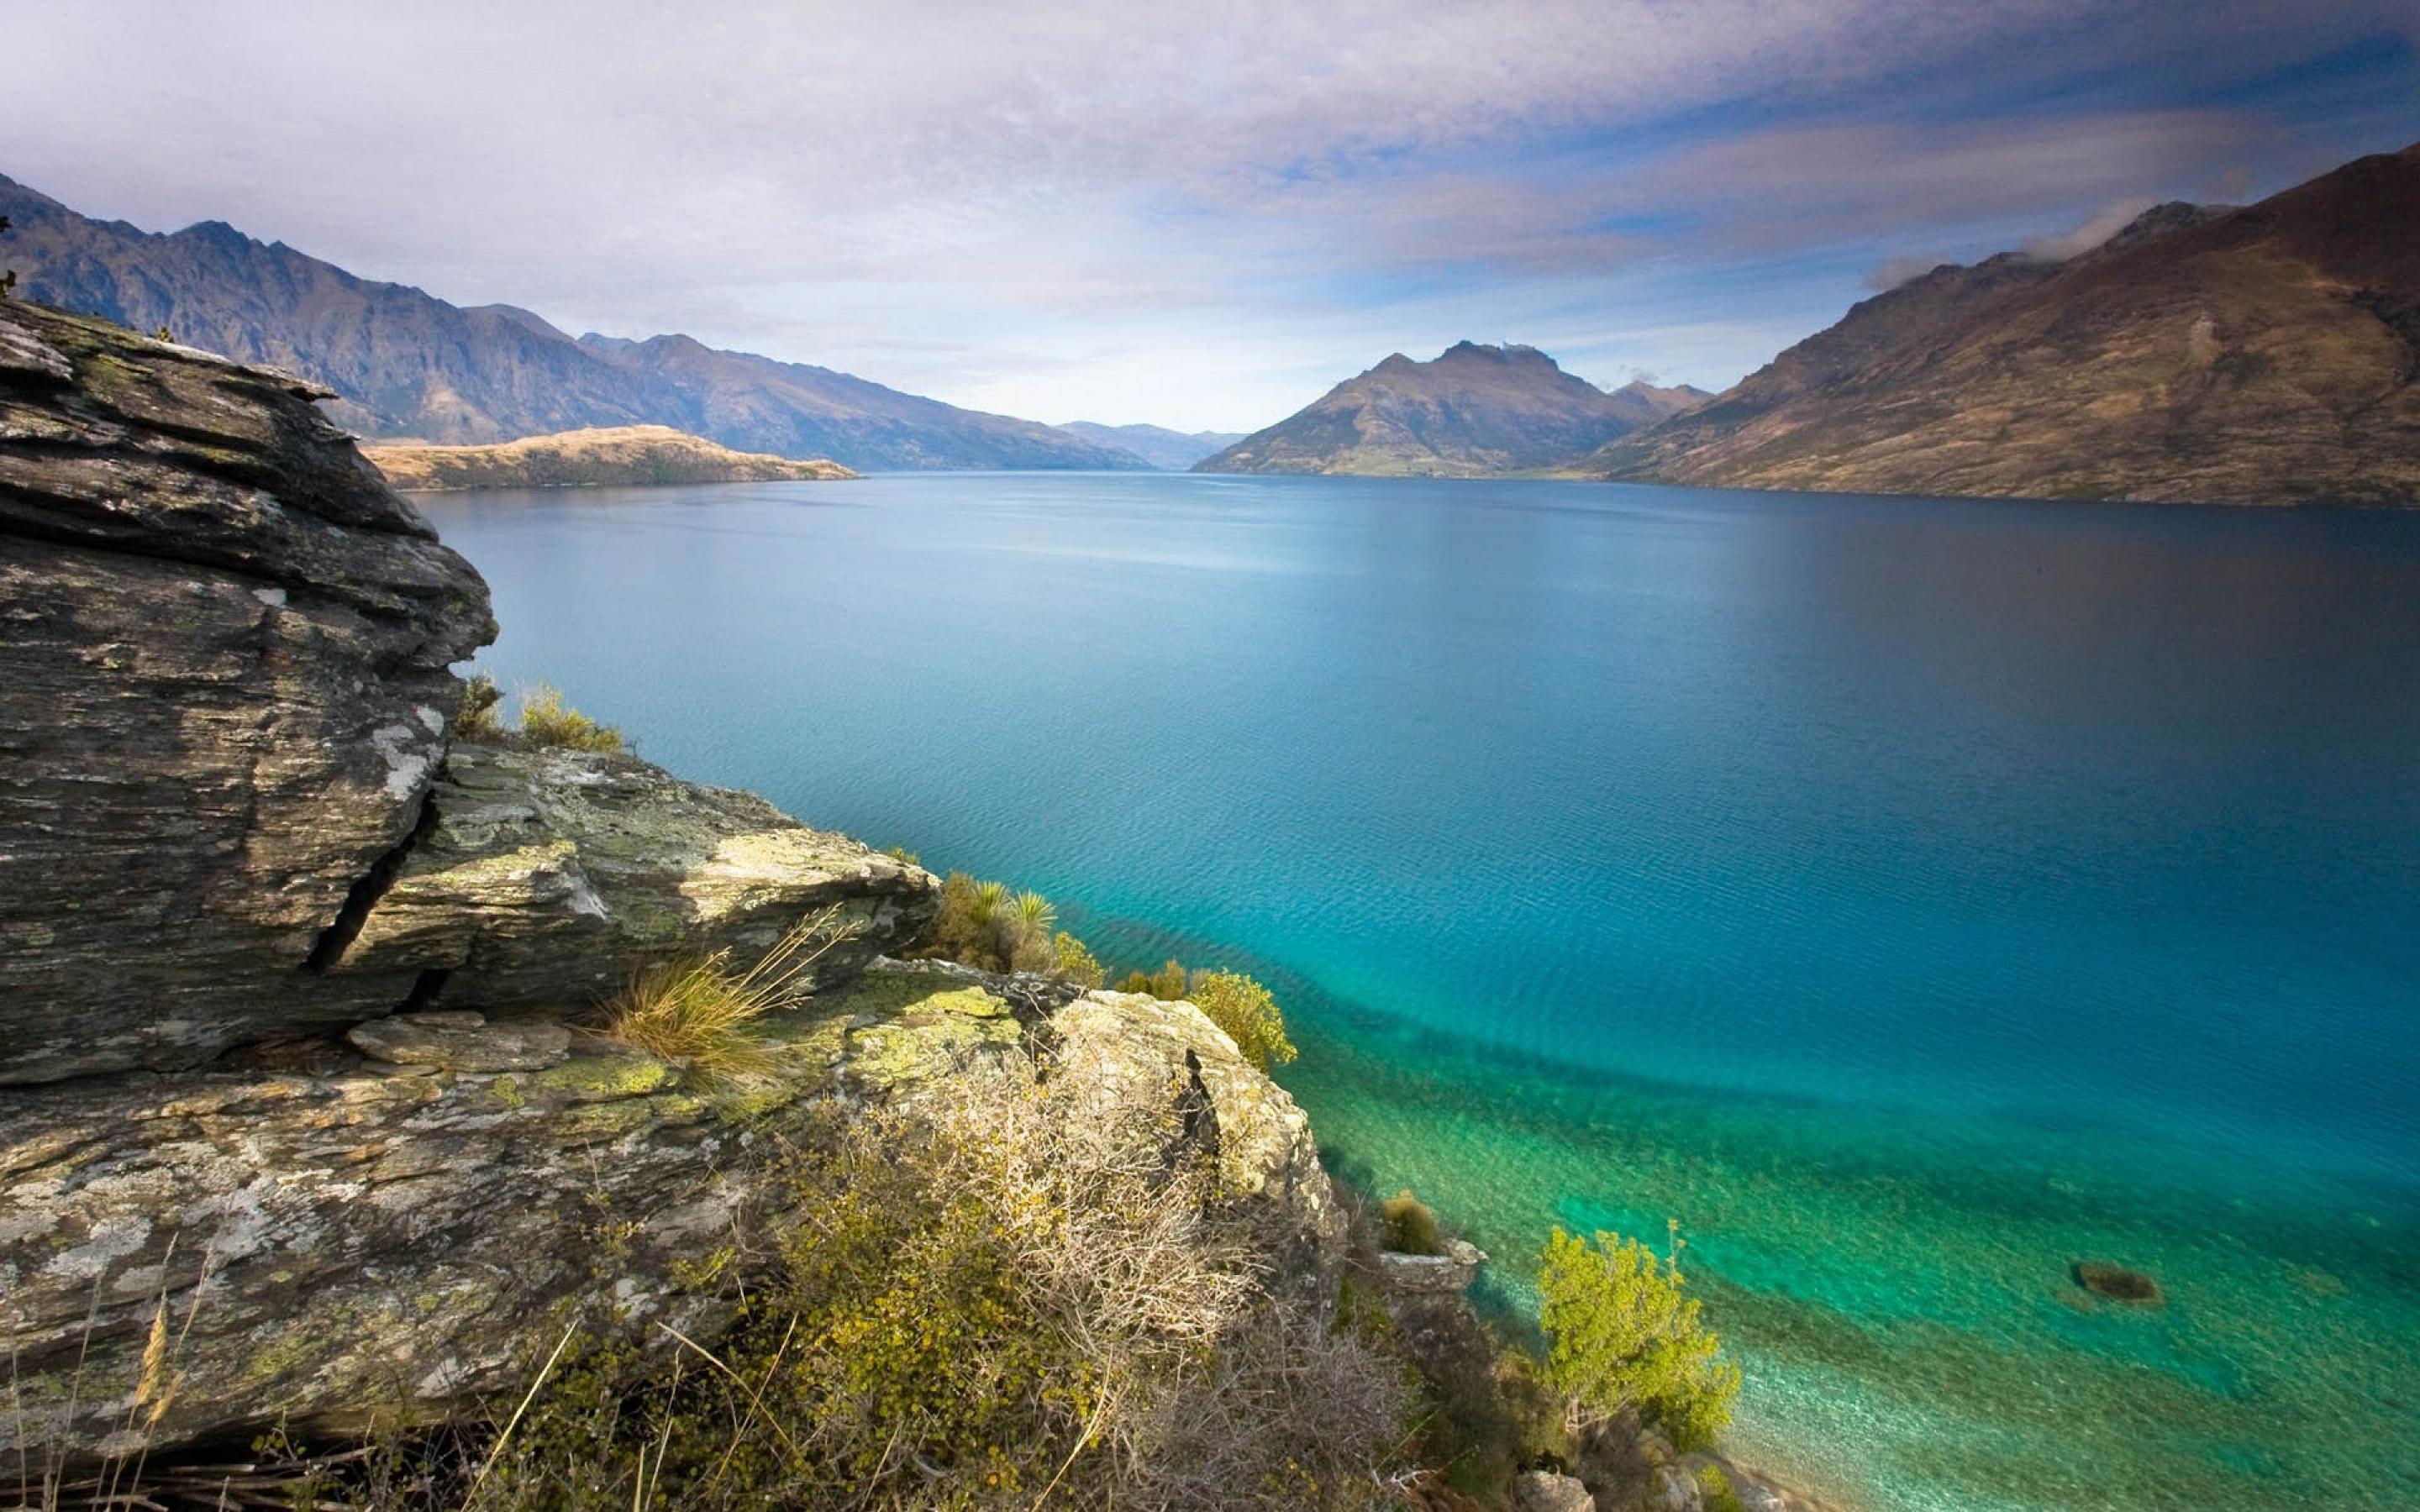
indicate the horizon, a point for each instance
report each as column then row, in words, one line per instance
column 1095, row 215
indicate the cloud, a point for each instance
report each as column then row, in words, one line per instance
column 947, row 194
column 2102, row 224
column 1892, row 271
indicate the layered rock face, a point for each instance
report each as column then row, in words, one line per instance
column 222, row 696
column 302, row 1099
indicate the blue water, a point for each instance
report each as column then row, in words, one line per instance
column 1912, row 897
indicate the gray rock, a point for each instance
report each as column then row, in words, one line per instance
column 1541, row 1490
column 224, row 689
column 461, row 1041
column 1416, row 1275
column 373, row 1241
column 542, row 876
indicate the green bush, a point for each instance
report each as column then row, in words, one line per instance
column 1409, row 1227
column 1714, row 1490
column 1621, row 1336
column 1167, row 983
column 546, row 721
column 1074, row 962
column 983, row 926
column 1245, row 1010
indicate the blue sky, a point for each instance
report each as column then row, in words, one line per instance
column 1197, row 215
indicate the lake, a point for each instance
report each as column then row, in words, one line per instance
column 1912, row 898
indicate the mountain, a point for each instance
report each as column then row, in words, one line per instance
column 1472, row 412
column 603, row 456
column 405, row 364
column 1642, row 403
column 2264, row 354
column 1174, row 450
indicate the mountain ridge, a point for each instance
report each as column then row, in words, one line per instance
column 1470, row 412
column 2255, row 354
column 406, row 364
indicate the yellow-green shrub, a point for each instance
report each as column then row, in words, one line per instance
column 1245, row 1010
column 1619, row 1336
column 546, row 721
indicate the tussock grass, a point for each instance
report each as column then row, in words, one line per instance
column 697, row 1011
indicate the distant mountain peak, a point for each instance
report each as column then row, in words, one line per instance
column 1471, row 410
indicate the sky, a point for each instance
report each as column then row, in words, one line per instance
column 1195, row 215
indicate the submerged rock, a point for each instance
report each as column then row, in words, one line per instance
column 2117, row 1283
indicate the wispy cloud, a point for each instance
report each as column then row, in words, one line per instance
column 977, row 200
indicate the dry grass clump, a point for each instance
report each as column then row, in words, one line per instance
column 696, row 1011
column 1013, row 1299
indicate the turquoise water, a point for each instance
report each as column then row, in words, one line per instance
column 1911, row 897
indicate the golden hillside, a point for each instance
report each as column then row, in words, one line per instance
column 618, row 455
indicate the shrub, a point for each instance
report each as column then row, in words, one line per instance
column 1621, row 1336
column 983, row 926
column 474, row 718
column 1167, row 983
column 695, row 1010
column 1009, row 1302
column 546, row 721
column 1245, row 1010
column 1073, row 962
column 1714, row 1490
column 1409, row 1227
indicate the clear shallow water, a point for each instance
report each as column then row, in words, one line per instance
column 1912, row 897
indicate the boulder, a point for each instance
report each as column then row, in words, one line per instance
column 223, row 696
column 1419, row 1274
column 539, row 877
column 1541, row 1490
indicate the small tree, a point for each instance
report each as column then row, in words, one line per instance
column 1621, row 1336
column 1245, row 1010
column 475, row 717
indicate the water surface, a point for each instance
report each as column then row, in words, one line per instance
column 1911, row 897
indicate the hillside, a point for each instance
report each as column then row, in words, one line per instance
column 1174, row 450
column 405, row 363
column 2257, row 355
column 600, row 456
column 1472, row 412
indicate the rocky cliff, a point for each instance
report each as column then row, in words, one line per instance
column 304, row 1094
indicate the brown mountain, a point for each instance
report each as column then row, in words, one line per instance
column 601, row 456
column 405, row 364
column 1472, row 412
column 2257, row 355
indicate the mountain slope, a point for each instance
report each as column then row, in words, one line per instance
column 1174, row 450
column 614, row 455
column 2265, row 354
column 1471, row 411
column 407, row 363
